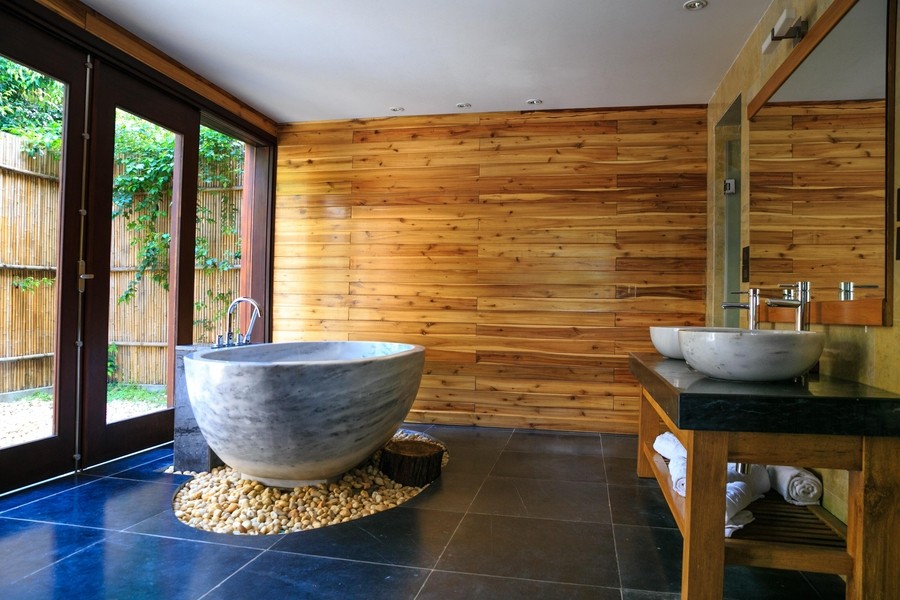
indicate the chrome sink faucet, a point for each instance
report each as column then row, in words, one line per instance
column 229, row 337
column 796, row 296
column 751, row 305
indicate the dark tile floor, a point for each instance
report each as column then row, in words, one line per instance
column 516, row 514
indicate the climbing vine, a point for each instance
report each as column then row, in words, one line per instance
column 30, row 284
column 31, row 107
column 142, row 192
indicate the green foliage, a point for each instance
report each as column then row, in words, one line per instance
column 130, row 392
column 39, row 395
column 30, row 284
column 141, row 192
column 31, row 107
column 112, row 367
column 220, row 301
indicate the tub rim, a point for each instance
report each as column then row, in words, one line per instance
column 202, row 355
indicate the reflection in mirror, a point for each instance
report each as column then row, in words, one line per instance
column 817, row 167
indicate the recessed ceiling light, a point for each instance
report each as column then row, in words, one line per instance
column 463, row 105
column 534, row 101
column 397, row 109
column 695, row 4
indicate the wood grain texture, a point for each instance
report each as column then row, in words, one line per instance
column 528, row 252
column 817, row 196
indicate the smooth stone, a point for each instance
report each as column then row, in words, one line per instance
column 666, row 342
column 750, row 354
column 301, row 411
column 190, row 452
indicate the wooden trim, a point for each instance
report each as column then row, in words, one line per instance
column 257, row 223
column 787, row 556
column 890, row 164
column 182, row 248
column 874, row 525
column 821, row 451
column 865, row 311
column 817, row 32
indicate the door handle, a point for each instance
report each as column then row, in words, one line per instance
column 82, row 276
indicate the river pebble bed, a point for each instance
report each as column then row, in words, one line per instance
column 220, row 501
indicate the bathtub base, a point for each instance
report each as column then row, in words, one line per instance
column 297, row 413
column 288, row 483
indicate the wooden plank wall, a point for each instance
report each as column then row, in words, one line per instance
column 817, row 185
column 528, row 252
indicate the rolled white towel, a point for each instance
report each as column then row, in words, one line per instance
column 668, row 446
column 796, row 485
column 678, row 474
column 757, row 477
column 738, row 521
column 738, row 496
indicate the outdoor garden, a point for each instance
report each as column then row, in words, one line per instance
column 32, row 107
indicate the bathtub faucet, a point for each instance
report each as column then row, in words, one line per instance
column 244, row 339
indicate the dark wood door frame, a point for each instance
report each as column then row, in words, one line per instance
column 114, row 89
column 26, row 463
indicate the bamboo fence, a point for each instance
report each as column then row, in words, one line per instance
column 29, row 220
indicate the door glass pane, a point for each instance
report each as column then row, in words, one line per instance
column 139, row 268
column 218, row 249
column 31, row 125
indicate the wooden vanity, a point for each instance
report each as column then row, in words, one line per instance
column 822, row 423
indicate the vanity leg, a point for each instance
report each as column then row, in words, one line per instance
column 873, row 528
column 648, row 429
column 703, row 563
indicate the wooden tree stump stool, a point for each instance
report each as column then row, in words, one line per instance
column 411, row 462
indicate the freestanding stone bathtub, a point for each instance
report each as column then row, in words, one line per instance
column 300, row 413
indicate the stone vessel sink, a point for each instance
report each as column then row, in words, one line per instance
column 750, row 355
column 665, row 340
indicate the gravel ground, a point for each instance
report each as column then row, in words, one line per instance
column 222, row 502
column 26, row 420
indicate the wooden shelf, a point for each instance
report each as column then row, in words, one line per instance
column 661, row 472
column 782, row 535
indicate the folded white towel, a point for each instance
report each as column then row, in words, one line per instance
column 738, row 521
column 738, row 496
column 678, row 474
column 796, row 485
column 668, row 446
column 757, row 477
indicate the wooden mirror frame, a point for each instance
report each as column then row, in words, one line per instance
column 875, row 311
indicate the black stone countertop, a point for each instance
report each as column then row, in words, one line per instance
column 821, row 405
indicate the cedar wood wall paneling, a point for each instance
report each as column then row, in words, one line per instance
column 528, row 252
column 817, row 196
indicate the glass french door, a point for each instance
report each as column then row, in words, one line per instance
column 143, row 157
column 42, row 115
column 88, row 320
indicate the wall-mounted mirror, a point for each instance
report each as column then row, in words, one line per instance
column 818, row 173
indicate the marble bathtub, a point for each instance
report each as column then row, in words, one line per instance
column 299, row 413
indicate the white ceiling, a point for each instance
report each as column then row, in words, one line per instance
column 309, row 60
